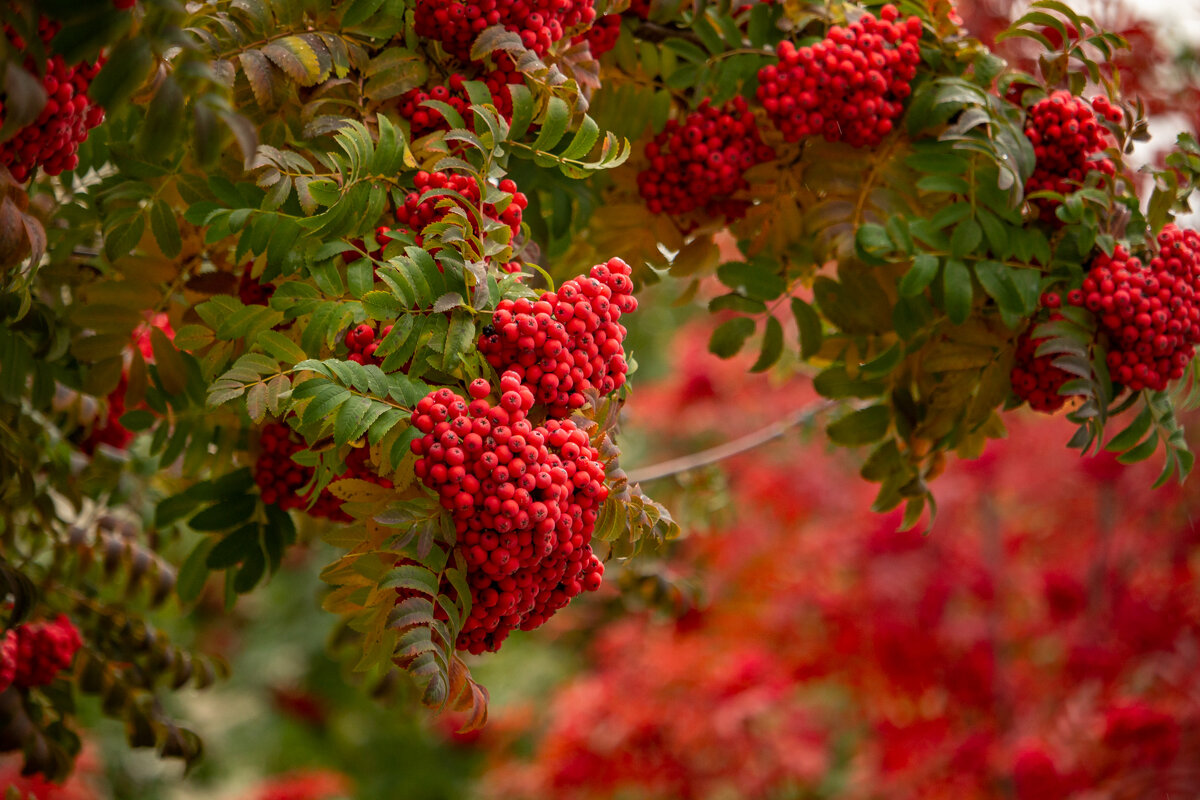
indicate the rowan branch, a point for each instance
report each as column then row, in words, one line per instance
column 712, row 455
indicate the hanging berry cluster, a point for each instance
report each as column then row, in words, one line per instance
column 280, row 479
column 419, row 211
column 1151, row 312
column 539, row 23
column 34, row 653
column 567, row 341
column 602, row 36
column 700, row 163
column 849, row 87
column 362, row 341
column 50, row 141
column 1066, row 135
column 524, row 499
column 1034, row 378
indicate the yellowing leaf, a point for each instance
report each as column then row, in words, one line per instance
column 360, row 491
column 295, row 57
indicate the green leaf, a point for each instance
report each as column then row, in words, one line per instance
column 194, row 572
column 753, row 279
column 808, row 325
column 729, row 336
column 772, row 346
column 234, row 547
column 1141, row 452
column 281, row 348
column 165, row 228
column 1133, row 433
column 127, row 67
column 997, row 282
column 957, row 290
column 861, row 427
column 922, row 272
column 554, row 124
column 225, row 514
column 966, row 238
column 873, row 243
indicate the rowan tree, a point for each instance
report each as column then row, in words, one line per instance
column 284, row 270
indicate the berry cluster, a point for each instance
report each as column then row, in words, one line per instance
column 602, row 36
column 567, row 341
column 419, row 211
column 1151, row 312
column 850, row 87
column 1066, row 135
column 700, row 162
column 108, row 429
column 51, row 140
column 1034, row 378
column 33, row 654
column 539, row 23
column 524, row 499
column 252, row 291
column 423, row 120
column 362, row 340
column 279, row 478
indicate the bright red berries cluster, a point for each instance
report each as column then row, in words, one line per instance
column 1151, row 312
column 1034, row 378
column 850, row 87
column 565, row 342
column 539, row 23
column 424, row 120
column 280, row 479
column 419, row 211
column 34, row 653
column 362, row 341
column 699, row 163
column 602, row 36
column 524, row 499
column 1066, row 135
column 50, row 141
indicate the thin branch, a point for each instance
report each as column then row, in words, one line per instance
column 703, row 458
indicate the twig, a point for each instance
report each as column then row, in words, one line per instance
column 721, row 452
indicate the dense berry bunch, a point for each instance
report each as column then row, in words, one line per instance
column 539, row 23
column 51, row 140
column 419, row 211
column 1066, row 135
column 850, row 87
column 567, row 341
column 362, row 341
column 699, row 163
column 1151, row 312
column 524, row 499
column 1034, row 378
column 33, row 654
column 602, row 36
column 280, row 479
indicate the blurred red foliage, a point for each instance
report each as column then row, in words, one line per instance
column 1041, row 642
column 303, row 784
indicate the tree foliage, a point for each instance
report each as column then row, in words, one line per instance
column 202, row 274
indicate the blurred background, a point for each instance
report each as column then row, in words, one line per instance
column 1043, row 641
